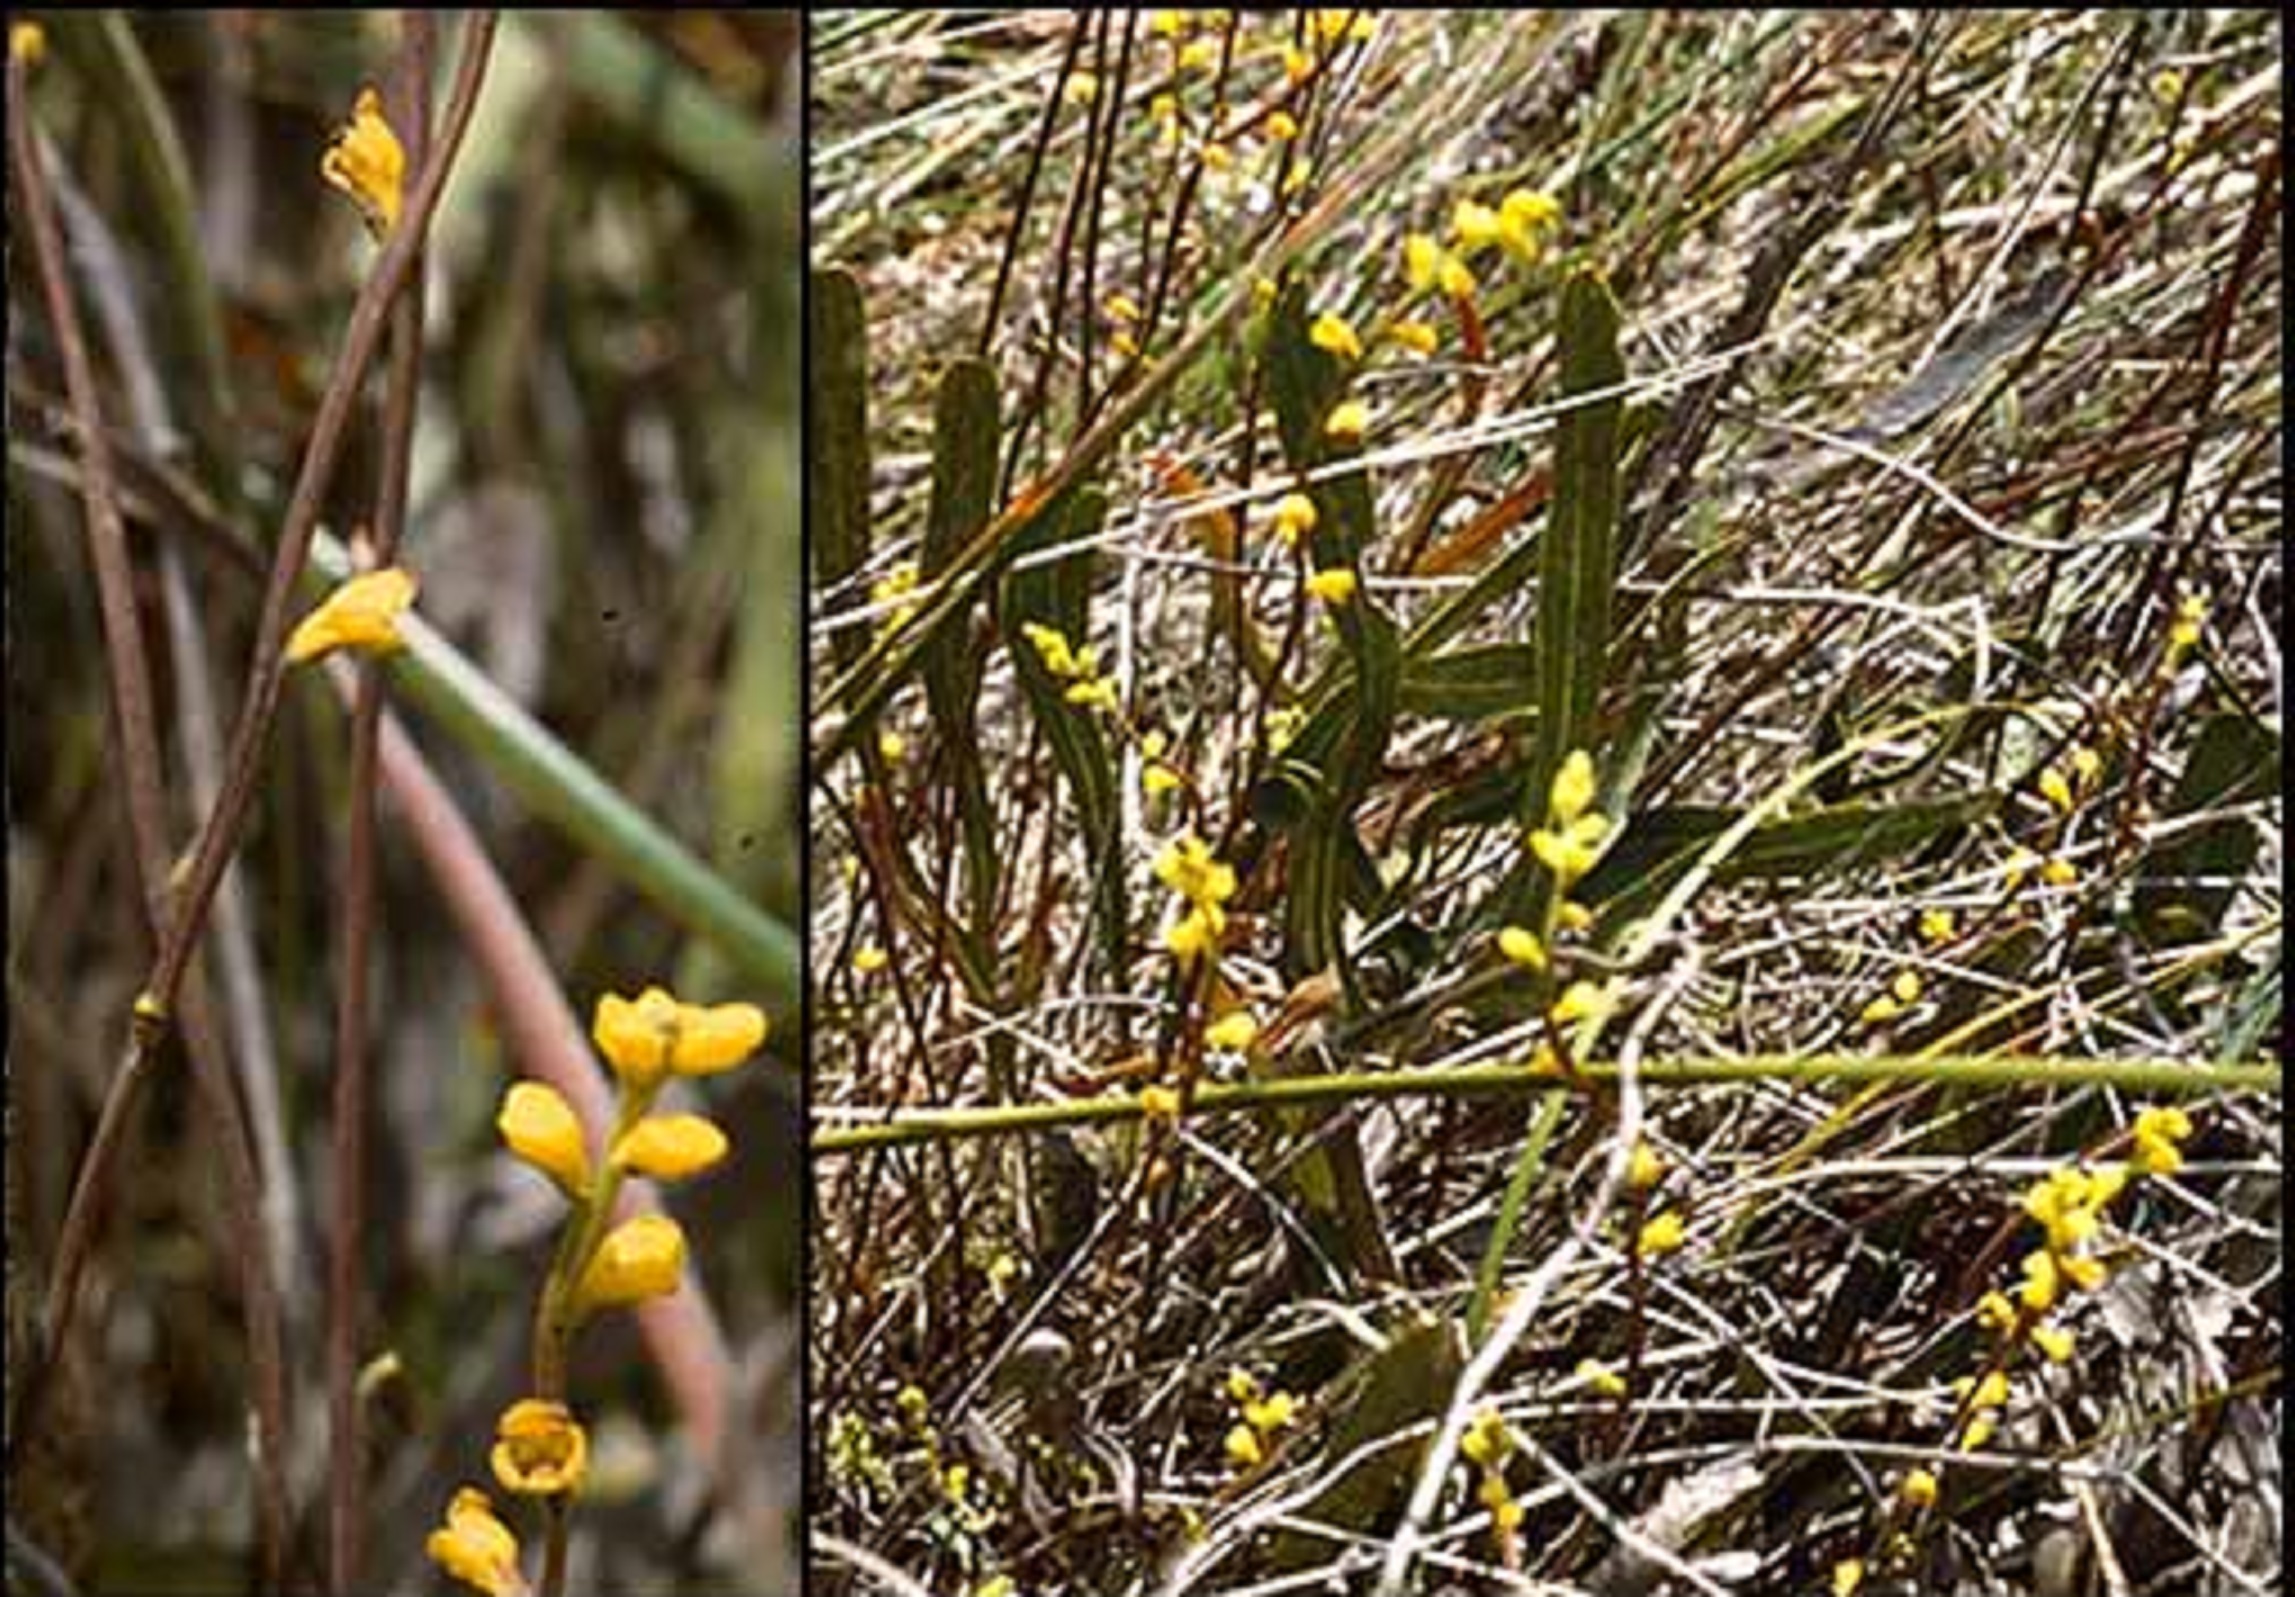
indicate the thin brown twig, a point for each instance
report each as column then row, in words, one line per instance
column 347, row 1472
column 218, row 839
column 135, row 726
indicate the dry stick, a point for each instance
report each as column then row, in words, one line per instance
column 346, row 1472
column 218, row 838
column 137, row 730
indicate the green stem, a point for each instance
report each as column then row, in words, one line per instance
column 2164, row 1077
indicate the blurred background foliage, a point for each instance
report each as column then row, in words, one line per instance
column 604, row 518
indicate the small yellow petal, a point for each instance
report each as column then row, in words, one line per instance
column 1573, row 788
column 476, row 1548
column 1233, row 1032
column 1475, row 224
column 670, row 1147
column 1918, row 1488
column 539, row 1450
column 1348, row 421
column 1242, row 1447
column 367, row 162
column 1335, row 586
column 1332, row 332
column 27, row 42
column 361, row 614
column 1660, row 1234
column 1520, row 945
column 639, row 1259
column 1418, row 337
column 1604, row 1381
column 540, row 1127
column 1579, row 1001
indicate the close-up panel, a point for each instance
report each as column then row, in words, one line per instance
column 404, row 711
column 1544, row 802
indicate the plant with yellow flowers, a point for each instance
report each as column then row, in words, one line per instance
column 541, row 1449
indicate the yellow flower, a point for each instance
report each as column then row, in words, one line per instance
column 892, row 746
column 2158, row 1130
column 476, row 1548
column 1122, row 308
column 2059, row 872
column 27, row 42
column 1994, row 1312
column 1234, row 1031
column 1199, row 55
column 1419, row 338
column 1159, row 1103
column 2043, row 1282
column 1573, row 788
column 1187, row 867
column 1082, row 89
column 361, row 614
column 1644, row 1168
column 1579, row 1001
column 367, row 162
column 1604, row 1381
column 1242, row 1447
column 639, row 1259
column 1349, row 420
column 1282, row 126
column 540, row 1128
column 670, row 1147
column 1167, row 24
column 1520, row 945
column 1848, row 1575
column 1242, row 1385
column 1217, row 157
column 1980, row 1429
column 2055, row 789
column 1936, row 926
column 1661, row 1233
column 1918, row 1488
column 1298, row 65
column 1333, row 332
column 653, row 1034
column 539, row 1450
column 1475, row 224
column 1271, row 1413
column 1294, row 517
column 1570, row 851
column 1335, row 586
column 1906, row 988
column 2190, row 618
column 869, row 959
column 1195, row 934
column 1423, row 256
column 1990, row 1392
column 2054, row 1342
column 1522, row 217
column 1486, row 1440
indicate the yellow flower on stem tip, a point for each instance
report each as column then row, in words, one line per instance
column 1661, row 1234
column 1334, row 333
column 1918, row 1488
column 539, row 1450
column 1523, row 216
column 1294, row 517
column 1242, row 1447
column 639, row 1259
column 1334, row 587
column 2158, row 1130
column 540, row 1127
column 1187, row 867
column 1159, row 1103
column 1348, row 421
column 361, row 614
column 1476, row 225
column 1573, row 788
column 1234, row 1032
column 27, row 42
column 670, row 1147
column 653, row 1035
column 476, row 1548
column 1521, row 947
column 1419, row 338
column 367, row 162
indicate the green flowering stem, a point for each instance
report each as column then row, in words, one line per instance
column 563, row 790
column 2157, row 1077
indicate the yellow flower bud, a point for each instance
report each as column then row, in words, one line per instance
column 1334, row 587
column 367, row 162
column 1334, row 333
column 539, row 1450
column 1348, row 421
column 540, row 1127
column 1234, row 1031
column 1520, row 945
column 1918, row 1488
column 670, row 1147
column 476, row 1548
column 639, row 1259
column 361, row 614
column 1662, row 1233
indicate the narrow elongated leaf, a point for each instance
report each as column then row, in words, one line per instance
column 964, row 460
column 837, row 437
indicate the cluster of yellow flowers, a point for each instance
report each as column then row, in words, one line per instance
column 541, row 1450
column 1519, row 226
column 1077, row 667
column 1568, row 845
column 1259, row 1415
column 895, row 588
column 2067, row 1204
column 1487, row 1444
column 1204, row 885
